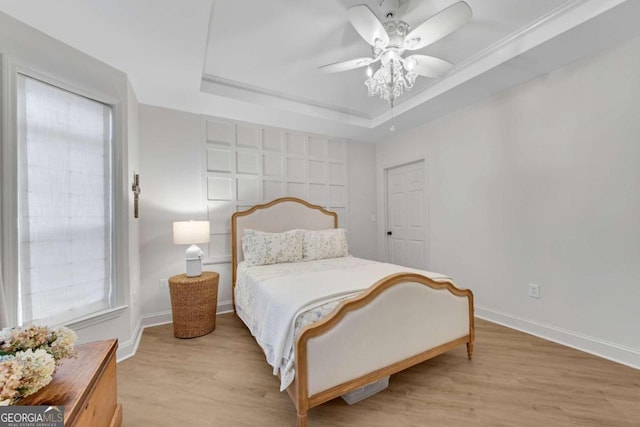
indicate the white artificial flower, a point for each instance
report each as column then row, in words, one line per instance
column 37, row 370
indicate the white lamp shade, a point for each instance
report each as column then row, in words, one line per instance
column 190, row 232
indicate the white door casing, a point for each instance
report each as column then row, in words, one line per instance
column 407, row 239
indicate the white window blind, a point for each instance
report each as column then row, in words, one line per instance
column 64, row 203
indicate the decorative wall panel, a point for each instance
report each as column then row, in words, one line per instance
column 295, row 143
column 222, row 133
column 249, row 164
column 272, row 139
column 272, row 164
column 219, row 188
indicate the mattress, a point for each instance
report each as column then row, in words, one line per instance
column 277, row 301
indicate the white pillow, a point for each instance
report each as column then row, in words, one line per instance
column 321, row 244
column 261, row 248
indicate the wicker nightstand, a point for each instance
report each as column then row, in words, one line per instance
column 193, row 304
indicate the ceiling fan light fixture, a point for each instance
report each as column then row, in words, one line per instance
column 390, row 81
column 410, row 43
column 390, row 40
column 409, row 64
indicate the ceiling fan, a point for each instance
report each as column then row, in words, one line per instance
column 389, row 41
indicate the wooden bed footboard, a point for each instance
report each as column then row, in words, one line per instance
column 400, row 321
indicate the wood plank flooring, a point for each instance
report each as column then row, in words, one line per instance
column 514, row 379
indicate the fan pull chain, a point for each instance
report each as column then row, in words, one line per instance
column 393, row 126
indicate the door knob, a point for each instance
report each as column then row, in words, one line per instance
column 389, row 233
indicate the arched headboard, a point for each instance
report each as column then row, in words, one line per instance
column 286, row 213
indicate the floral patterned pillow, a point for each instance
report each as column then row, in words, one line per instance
column 323, row 244
column 262, row 248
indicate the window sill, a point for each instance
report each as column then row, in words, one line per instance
column 96, row 318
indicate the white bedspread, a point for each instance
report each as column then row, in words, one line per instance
column 270, row 298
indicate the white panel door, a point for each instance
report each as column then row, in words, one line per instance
column 406, row 216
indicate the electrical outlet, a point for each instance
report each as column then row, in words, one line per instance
column 534, row 291
column 164, row 283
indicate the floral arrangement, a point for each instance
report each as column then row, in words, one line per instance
column 28, row 358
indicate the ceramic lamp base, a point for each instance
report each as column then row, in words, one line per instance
column 194, row 267
column 194, row 261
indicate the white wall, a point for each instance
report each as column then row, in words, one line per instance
column 36, row 52
column 133, row 167
column 173, row 172
column 540, row 185
column 362, row 229
column 171, row 181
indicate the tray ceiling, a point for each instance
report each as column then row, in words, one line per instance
column 277, row 48
column 257, row 60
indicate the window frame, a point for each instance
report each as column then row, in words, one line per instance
column 9, row 211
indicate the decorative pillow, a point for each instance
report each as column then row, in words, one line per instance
column 261, row 248
column 323, row 244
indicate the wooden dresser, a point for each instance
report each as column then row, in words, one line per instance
column 86, row 387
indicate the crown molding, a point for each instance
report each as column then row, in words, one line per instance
column 565, row 17
column 245, row 92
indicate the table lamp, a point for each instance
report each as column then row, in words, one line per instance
column 191, row 233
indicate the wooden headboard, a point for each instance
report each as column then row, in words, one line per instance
column 286, row 213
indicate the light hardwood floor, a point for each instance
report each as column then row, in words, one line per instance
column 514, row 379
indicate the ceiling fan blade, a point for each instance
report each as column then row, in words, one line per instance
column 438, row 26
column 368, row 26
column 427, row 66
column 346, row 65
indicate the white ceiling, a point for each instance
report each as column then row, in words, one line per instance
column 257, row 60
column 278, row 47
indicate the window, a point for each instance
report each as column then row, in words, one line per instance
column 65, row 204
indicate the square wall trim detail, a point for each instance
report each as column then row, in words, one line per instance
column 248, row 164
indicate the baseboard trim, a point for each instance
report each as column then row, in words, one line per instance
column 129, row 347
column 224, row 307
column 607, row 350
column 157, row 319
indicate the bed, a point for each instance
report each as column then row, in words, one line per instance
column 384, row 319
